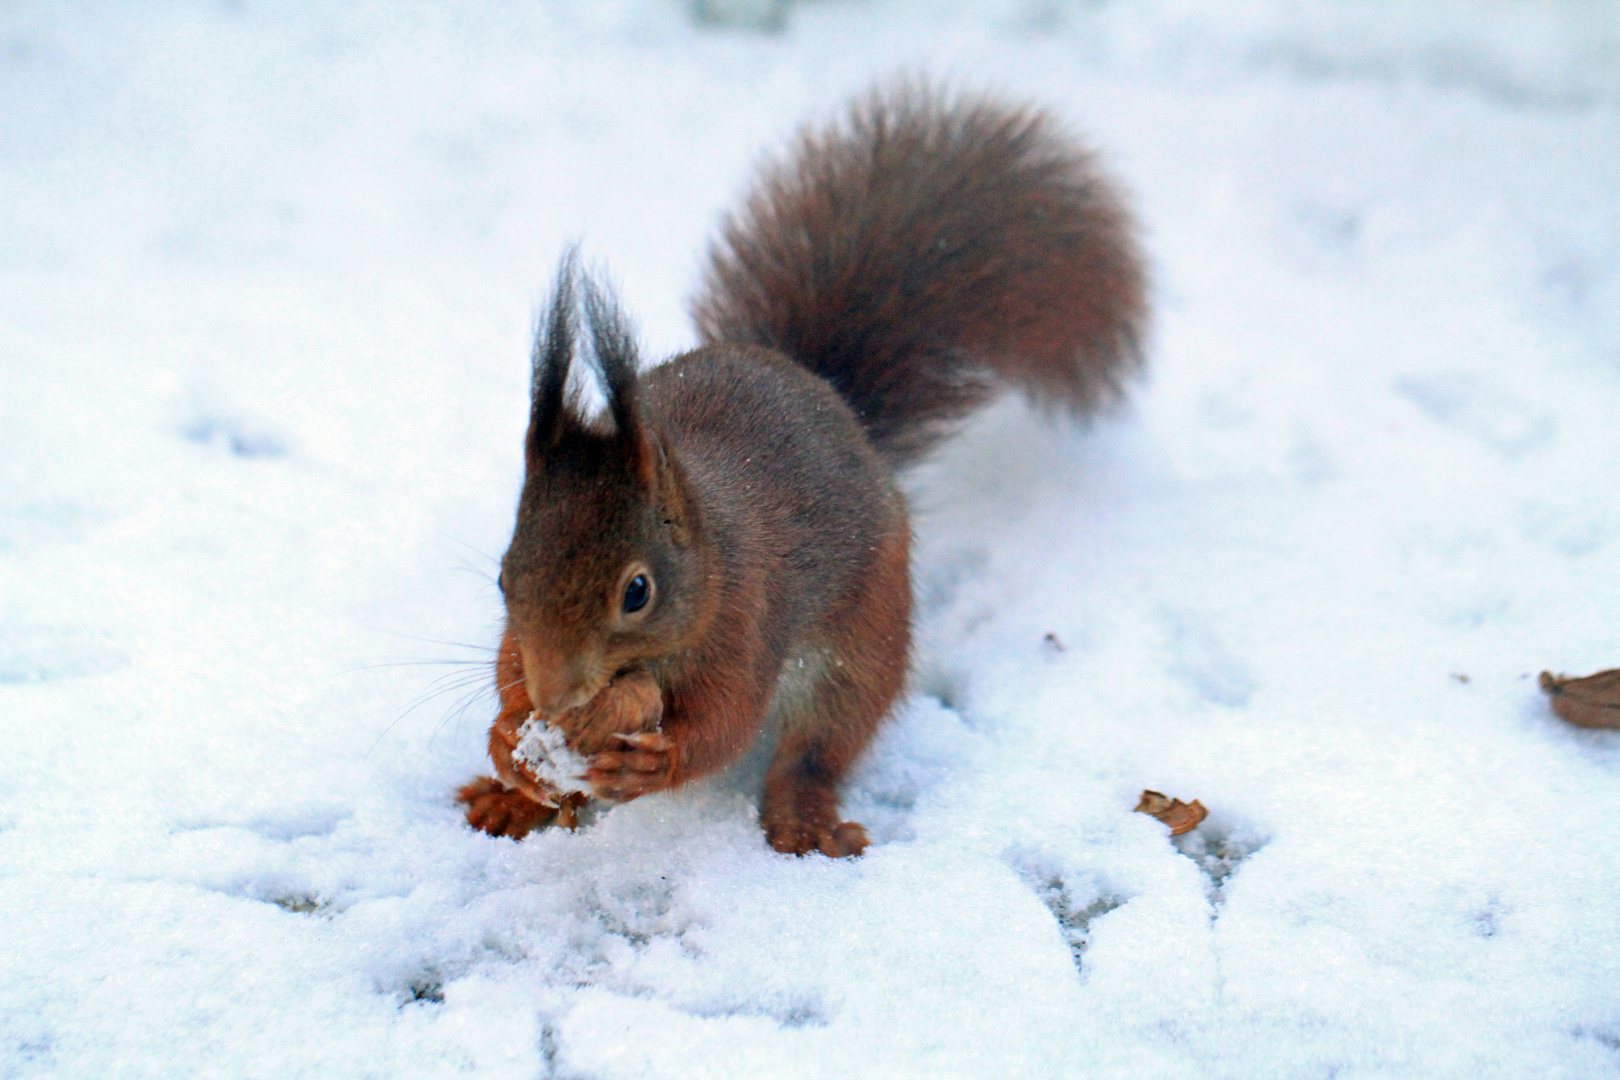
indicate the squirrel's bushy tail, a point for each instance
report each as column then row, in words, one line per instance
column 920, row 247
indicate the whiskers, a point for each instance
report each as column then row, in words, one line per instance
column 467, row 566
column 472, row 678
column 468, row 681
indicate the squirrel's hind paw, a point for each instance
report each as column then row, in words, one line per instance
column 503, row 811
column 802, row 838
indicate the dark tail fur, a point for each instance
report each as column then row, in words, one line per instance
column 919, row 248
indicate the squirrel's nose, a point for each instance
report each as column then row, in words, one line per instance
column 562, row 702
column 555, row 683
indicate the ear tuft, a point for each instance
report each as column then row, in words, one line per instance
column 612, row 353
column 613, row 348
column 553, row 356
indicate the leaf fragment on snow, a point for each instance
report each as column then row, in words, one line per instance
column 1180, row 816
column 1592, row 702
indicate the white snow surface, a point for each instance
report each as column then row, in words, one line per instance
column 267, row 278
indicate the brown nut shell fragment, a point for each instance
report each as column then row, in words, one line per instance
column 1592, row 702
column 1180, row 816
column 568, row 809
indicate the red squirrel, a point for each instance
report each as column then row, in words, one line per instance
column 723, row 553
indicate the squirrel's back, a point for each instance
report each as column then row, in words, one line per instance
column 923, row 247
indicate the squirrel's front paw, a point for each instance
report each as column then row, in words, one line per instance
column 647, row 763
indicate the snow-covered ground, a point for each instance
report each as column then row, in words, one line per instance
column 267, row 275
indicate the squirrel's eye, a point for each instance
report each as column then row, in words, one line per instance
column 500, row 582
column 637, row 593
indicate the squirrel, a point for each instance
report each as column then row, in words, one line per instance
column 723, row 553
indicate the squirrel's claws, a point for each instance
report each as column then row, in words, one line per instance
column 647, row 740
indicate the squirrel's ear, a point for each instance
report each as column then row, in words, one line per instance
column 553, row 355
column 614, row 348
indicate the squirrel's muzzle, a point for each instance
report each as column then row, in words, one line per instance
column 556, row 681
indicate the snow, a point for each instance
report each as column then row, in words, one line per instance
column 545, row 750
column 267, row 275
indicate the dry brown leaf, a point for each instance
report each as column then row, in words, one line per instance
column 1180, row 816
column 1592, row 702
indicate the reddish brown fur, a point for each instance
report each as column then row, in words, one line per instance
column 864, row 300
column 824, row 733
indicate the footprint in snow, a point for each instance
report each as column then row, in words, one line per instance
column 1462, row 401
